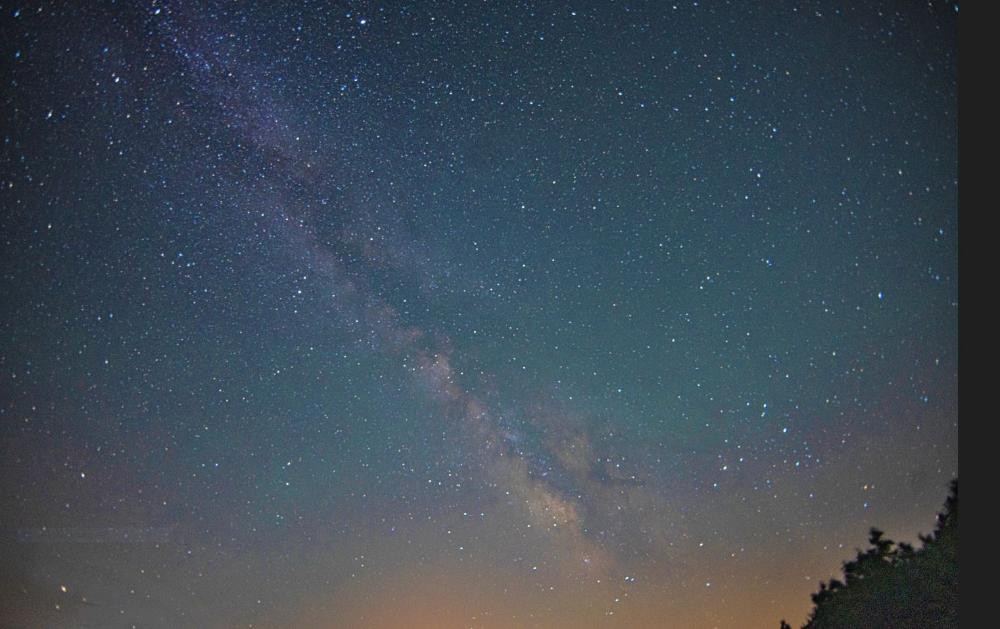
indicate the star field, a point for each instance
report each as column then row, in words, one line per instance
column 469, row 314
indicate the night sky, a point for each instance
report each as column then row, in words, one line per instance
column 469, row 314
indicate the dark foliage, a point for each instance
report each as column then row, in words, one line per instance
column 895, row 585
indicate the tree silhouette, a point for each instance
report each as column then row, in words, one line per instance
column 896, row 585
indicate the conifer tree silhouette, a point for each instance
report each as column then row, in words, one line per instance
column 896, row 585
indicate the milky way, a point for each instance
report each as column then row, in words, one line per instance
column 470, row 314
